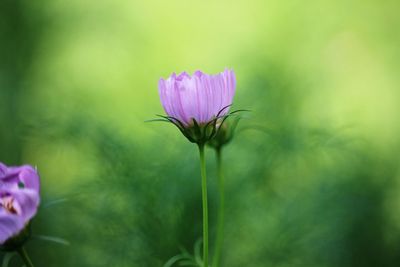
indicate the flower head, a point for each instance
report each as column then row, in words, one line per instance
column 197, row 104
column 19, row 199
column 225, row 134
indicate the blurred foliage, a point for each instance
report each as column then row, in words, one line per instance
column 312, row 174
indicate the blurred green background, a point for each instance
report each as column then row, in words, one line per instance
column 312, row 176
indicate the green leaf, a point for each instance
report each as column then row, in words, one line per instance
column 52, row 239
column 7, row 258
column 154, row 120
column 174, row 260
column 54, row 202
column 197, row 252
column 188, row 263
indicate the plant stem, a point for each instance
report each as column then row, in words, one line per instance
column 22, row 252
column 221, row 211
column 205, row 204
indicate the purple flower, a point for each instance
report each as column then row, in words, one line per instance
column 19, row 199
column 200, row 97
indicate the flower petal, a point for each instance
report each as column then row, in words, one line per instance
column 200, row 97
column 28, row 200
column 10, row 225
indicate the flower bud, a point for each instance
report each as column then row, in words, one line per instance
column 225, row 134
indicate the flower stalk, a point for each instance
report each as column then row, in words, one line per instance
column 221, row 209
column 205, row 204
column 24, row 255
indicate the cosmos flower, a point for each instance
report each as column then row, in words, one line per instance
column 197, row 104
column 19, row 199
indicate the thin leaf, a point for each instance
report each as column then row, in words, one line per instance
column 197, row 128
column 52, row 239
column 188, row 263
column 214, row 130
column 197, row 252
column 222, row 122
column 178, row 125
column 256, row 128
column 174, row 260
column 54, row 202
column 186, row 254
column 7, row 258
column 240, row 110
column 220, row 112
column 157, row 120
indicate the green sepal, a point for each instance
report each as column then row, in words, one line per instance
column 226, row 131
column 202, row 133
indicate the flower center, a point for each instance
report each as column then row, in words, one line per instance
column 11, row 206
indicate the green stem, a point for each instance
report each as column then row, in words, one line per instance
column 205, row 204
column 221, row 213
column 22, row 252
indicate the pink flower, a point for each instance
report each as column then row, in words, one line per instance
column 200, row 97
column 19, row 199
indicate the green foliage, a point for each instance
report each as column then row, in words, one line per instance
column 311, row 173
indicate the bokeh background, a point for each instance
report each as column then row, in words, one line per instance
column 312, row 176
